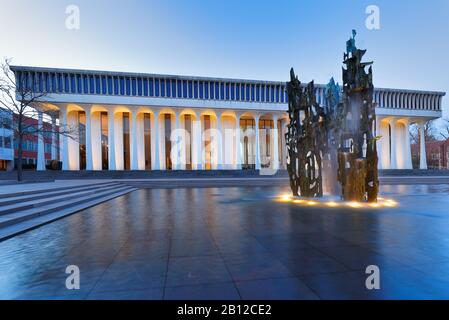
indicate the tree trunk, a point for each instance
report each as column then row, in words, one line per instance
column 19, row 159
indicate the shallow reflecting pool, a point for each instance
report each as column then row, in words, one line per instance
column 233, row 243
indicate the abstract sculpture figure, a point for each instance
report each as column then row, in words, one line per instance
column 305, row 136
column 337, row 139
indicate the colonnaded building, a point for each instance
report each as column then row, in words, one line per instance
column 126, row 121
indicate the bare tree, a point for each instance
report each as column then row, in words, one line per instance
column 444, row 133
column 429, row 132
column 23, row 101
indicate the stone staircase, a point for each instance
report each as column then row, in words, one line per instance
column 23, row 211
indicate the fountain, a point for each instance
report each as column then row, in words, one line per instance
column 334, row 146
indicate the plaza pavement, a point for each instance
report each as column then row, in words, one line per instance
column 235, row 243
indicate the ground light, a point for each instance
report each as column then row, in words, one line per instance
column 332, row 202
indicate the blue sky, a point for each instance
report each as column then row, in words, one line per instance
column 253, row 39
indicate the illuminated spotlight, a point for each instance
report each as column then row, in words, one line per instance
column 312, row 203
column 354, row 204
column 285, row 198
column 332, row 204
column 298, row 201
column 374, row 205
column 389, row 204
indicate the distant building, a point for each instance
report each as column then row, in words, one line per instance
column 9, row 145
column 437, row 154
column 30, row 146
column 6, row 138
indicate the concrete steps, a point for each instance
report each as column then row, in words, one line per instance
column 20, row 212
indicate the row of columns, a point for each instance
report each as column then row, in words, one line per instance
column 177, row 163
column 398, row 142
column 393, row 148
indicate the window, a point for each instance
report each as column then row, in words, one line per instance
column 217, row 92
column 179, row 88
column 97, row 85
column 195, row 89
column 277, row 94
column 145, row 87
column 252, row 92
column 40, row 82
column 156, row 87
column 139, row 86
column 79, row 84
column 151, row 88
column 7, row 142
column 262, row 93
column 227, row 91
column 173, row 88
column 72, row 84
column 232, row 91
column 211, row 90
column 201, row 90
column 190, row 89
column 258, row 92
column 115, row 85
column 162, row 87
column 122, row 86
column 66, row 83
column 128, row 86
column 60, row 81
column 110, row 85
column 133, row 86
column 86, row 84
column 168, row 91
column 53, row 82
column 47, row 82
column 222, row 93
column 104, row 86
column 184, row 89
column 206, row 90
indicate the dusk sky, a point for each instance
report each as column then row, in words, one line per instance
column 250, row 39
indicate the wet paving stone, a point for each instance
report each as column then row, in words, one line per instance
column 235, row 243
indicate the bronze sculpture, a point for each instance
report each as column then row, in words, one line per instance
column 342, row 132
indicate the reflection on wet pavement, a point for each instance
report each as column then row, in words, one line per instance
column 235, row 243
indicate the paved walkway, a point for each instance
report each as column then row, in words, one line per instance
column 235, row 243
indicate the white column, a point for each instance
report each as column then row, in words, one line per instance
column 238, row 152
column 177, row 139
column 422, row 147
column 275, row 136
column 53, row 139
column 378, row 143
column 283, row 143
column 198, row 142
column 393, row 159
column 155, row 162
column 111, row 140
column 256, row 126
column 89, row 158
column 219, row 138
column 40, row 143
column 64, row 148
column 408, row 149
column 133, row 141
